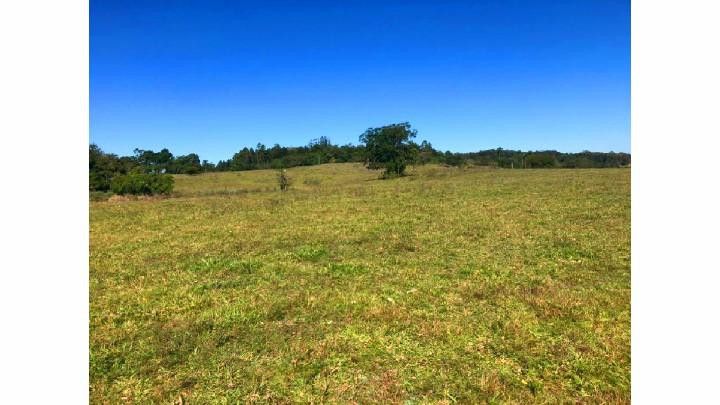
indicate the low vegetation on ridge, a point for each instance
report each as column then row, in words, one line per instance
column 390, row 148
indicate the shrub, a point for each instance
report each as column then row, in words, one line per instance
column 100, row 180
column 141, row 183
column 283, row 180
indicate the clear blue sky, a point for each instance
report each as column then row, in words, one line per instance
column 213, row 76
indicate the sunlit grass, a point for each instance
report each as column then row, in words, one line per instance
column 447, row 285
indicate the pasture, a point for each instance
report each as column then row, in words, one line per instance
column 448, row 285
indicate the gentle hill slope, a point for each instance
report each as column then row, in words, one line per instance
column 447, row 285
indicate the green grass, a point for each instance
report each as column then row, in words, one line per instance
column 449, row 285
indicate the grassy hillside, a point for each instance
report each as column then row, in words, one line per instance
column 447, row 285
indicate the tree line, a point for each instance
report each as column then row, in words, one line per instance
column 390, row 148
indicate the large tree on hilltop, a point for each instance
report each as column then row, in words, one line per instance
column 389, row 148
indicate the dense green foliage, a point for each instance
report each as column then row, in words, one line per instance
column 390, row 148
column 318, row 151
column 449, row 285
column 146, row 172
column 142, row 184
column 543, row 159
column 103, row 167
column 165, row 162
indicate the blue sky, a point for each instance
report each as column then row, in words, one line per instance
column 211, row 77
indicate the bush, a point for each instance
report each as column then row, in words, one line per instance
column 141, row 183
column 100, row 180
column 283, row 180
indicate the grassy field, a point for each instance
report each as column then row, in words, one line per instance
column 449, row 285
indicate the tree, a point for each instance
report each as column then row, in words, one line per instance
column 389, row 148
column 541, row 160
column 454, row 159
column 102, row 169
column 188, row 164
column 243, row 160
column 426, row 153
column 163, row 159
column 207, row 166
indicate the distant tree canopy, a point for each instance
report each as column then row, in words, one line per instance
column 165, row 162
column 318, row 151
column 390, row 148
